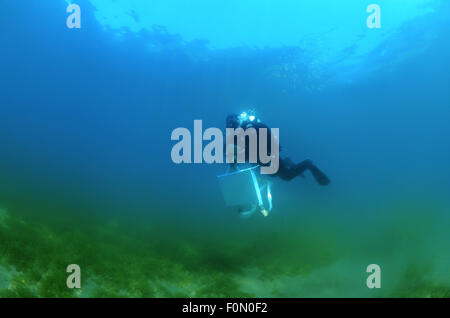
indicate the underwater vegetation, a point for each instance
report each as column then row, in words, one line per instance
column 310, row 258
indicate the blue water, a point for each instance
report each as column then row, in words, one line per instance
column 86, row 116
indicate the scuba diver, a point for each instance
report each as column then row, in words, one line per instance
column 288, row 170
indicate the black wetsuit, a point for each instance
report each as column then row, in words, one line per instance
column 287, row 169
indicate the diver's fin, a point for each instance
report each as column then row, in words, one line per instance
column 320, row 177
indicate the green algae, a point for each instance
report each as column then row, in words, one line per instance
column 308, row 258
